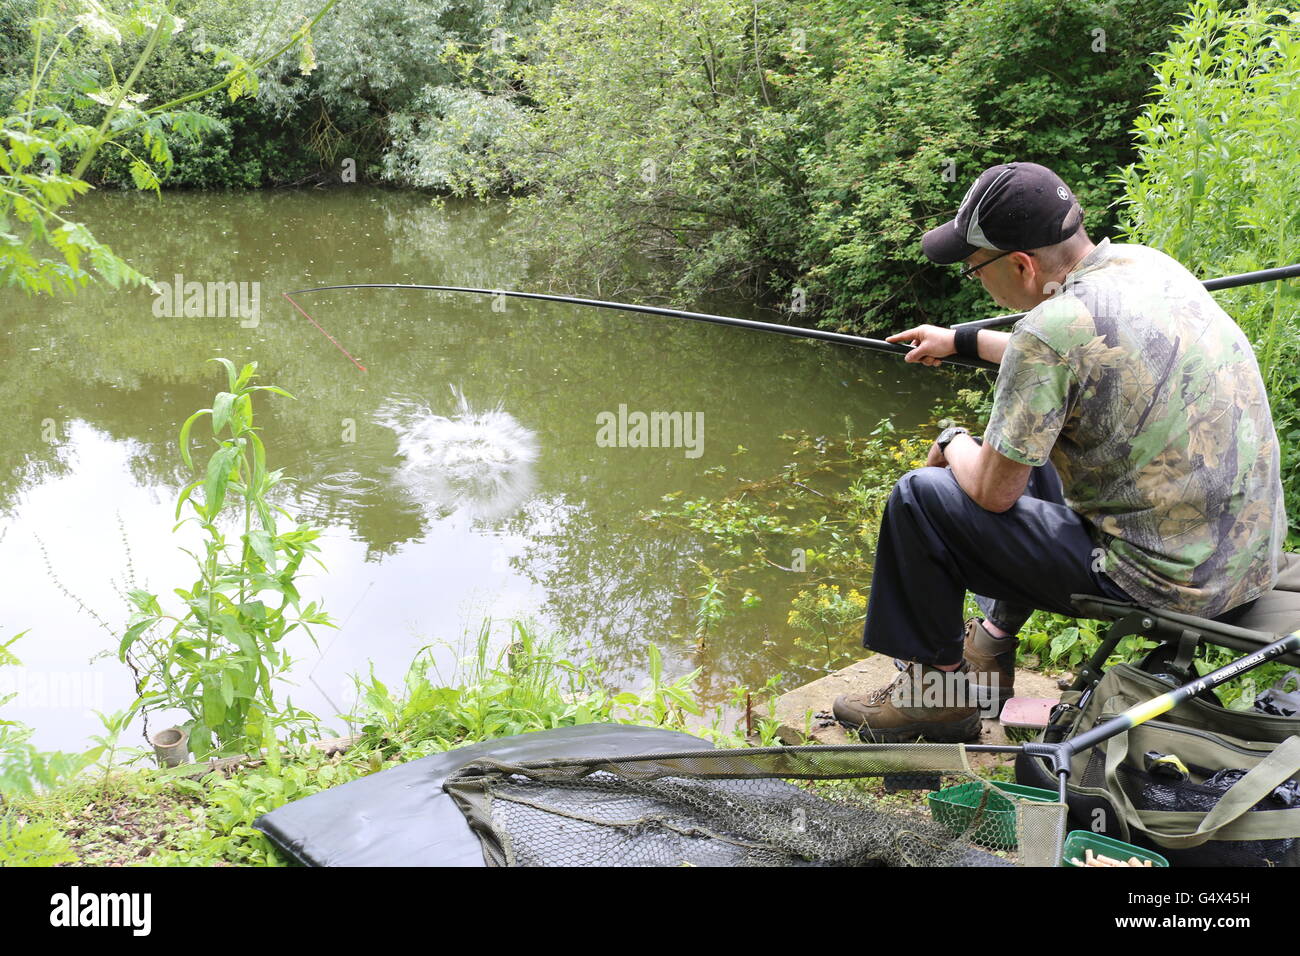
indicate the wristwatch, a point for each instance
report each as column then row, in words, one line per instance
column 948, row 434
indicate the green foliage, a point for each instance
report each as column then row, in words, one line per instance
column 1057, row 642
column 1240, row 692
column 1064, row 643
column 218, row 657
column 7, row 657
column 802, row 146
column 524, row 686
column 25, row 770
column 655, row 128
column 660, row 702
column 711, row 604
column 829, row 618
column 384, row 88
column 376, row 81
column 908, row 100
column 221, row 825
column 816, row 520
column 521, row 687
column 38, row 843
column 74, row 103
column 224, row 142
column 758, row 728
column 445, row 138
column 886, row 125
column 108, row 744
column 1214, row 184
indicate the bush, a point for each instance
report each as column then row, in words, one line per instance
column 651, row 132
column 992, row 81
column 800, row 149
column 384, row 89
column 1214, row 184
column 371, row 85
column 248, row 146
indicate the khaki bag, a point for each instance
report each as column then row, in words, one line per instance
column 1241, row 822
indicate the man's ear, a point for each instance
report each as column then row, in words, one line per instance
column 1028, row 268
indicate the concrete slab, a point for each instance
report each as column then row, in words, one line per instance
column 794, row 711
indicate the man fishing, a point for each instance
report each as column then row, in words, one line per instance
column 1130, row 454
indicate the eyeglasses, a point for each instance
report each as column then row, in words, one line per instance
column 968, row 273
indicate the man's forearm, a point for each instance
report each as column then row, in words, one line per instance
column 992, row 481
column 963, row 455
column 992, row 345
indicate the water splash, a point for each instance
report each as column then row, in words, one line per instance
column 480, row 462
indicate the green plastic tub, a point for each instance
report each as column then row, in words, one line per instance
column 1077, row 841
column 958, row 809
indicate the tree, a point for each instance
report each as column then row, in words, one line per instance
column 47, row 147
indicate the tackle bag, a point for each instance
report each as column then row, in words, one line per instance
column 1202, row 785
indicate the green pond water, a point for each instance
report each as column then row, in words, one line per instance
column 462, row 474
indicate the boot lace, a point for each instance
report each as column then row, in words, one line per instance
column 881, row 694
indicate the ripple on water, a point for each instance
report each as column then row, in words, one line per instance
column 339, row 490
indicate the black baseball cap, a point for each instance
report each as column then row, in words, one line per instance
column 1010, row 206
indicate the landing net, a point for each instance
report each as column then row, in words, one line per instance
column 868, row 805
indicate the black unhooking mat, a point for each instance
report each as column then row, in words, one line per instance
column 406, row 817
column 403, row 817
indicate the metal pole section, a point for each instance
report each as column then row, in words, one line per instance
column 839, row 338
column 1059, row 754
column 1212, row 285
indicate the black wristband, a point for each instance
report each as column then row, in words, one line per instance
column 966, row 343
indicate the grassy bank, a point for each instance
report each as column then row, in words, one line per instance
column 508, row 683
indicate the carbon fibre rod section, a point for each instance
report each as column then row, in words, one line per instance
column 821, row 335
column 1211, row 285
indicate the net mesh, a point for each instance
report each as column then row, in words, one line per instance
column 870, row 805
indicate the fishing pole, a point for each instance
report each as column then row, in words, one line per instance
column 1211, row 285
column 839, row 338
column 821, row 335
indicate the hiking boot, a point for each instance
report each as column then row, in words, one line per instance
column 922, row 702
column 992, row 663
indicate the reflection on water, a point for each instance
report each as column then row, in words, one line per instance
column 438, row 506
column 479, row 461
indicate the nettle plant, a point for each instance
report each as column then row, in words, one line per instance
column 219, row 657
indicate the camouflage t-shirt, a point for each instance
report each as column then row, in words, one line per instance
column 1147, row 398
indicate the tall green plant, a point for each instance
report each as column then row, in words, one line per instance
column 220, row 654
column 1214, row 184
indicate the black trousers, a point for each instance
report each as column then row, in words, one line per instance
column 936, row 544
